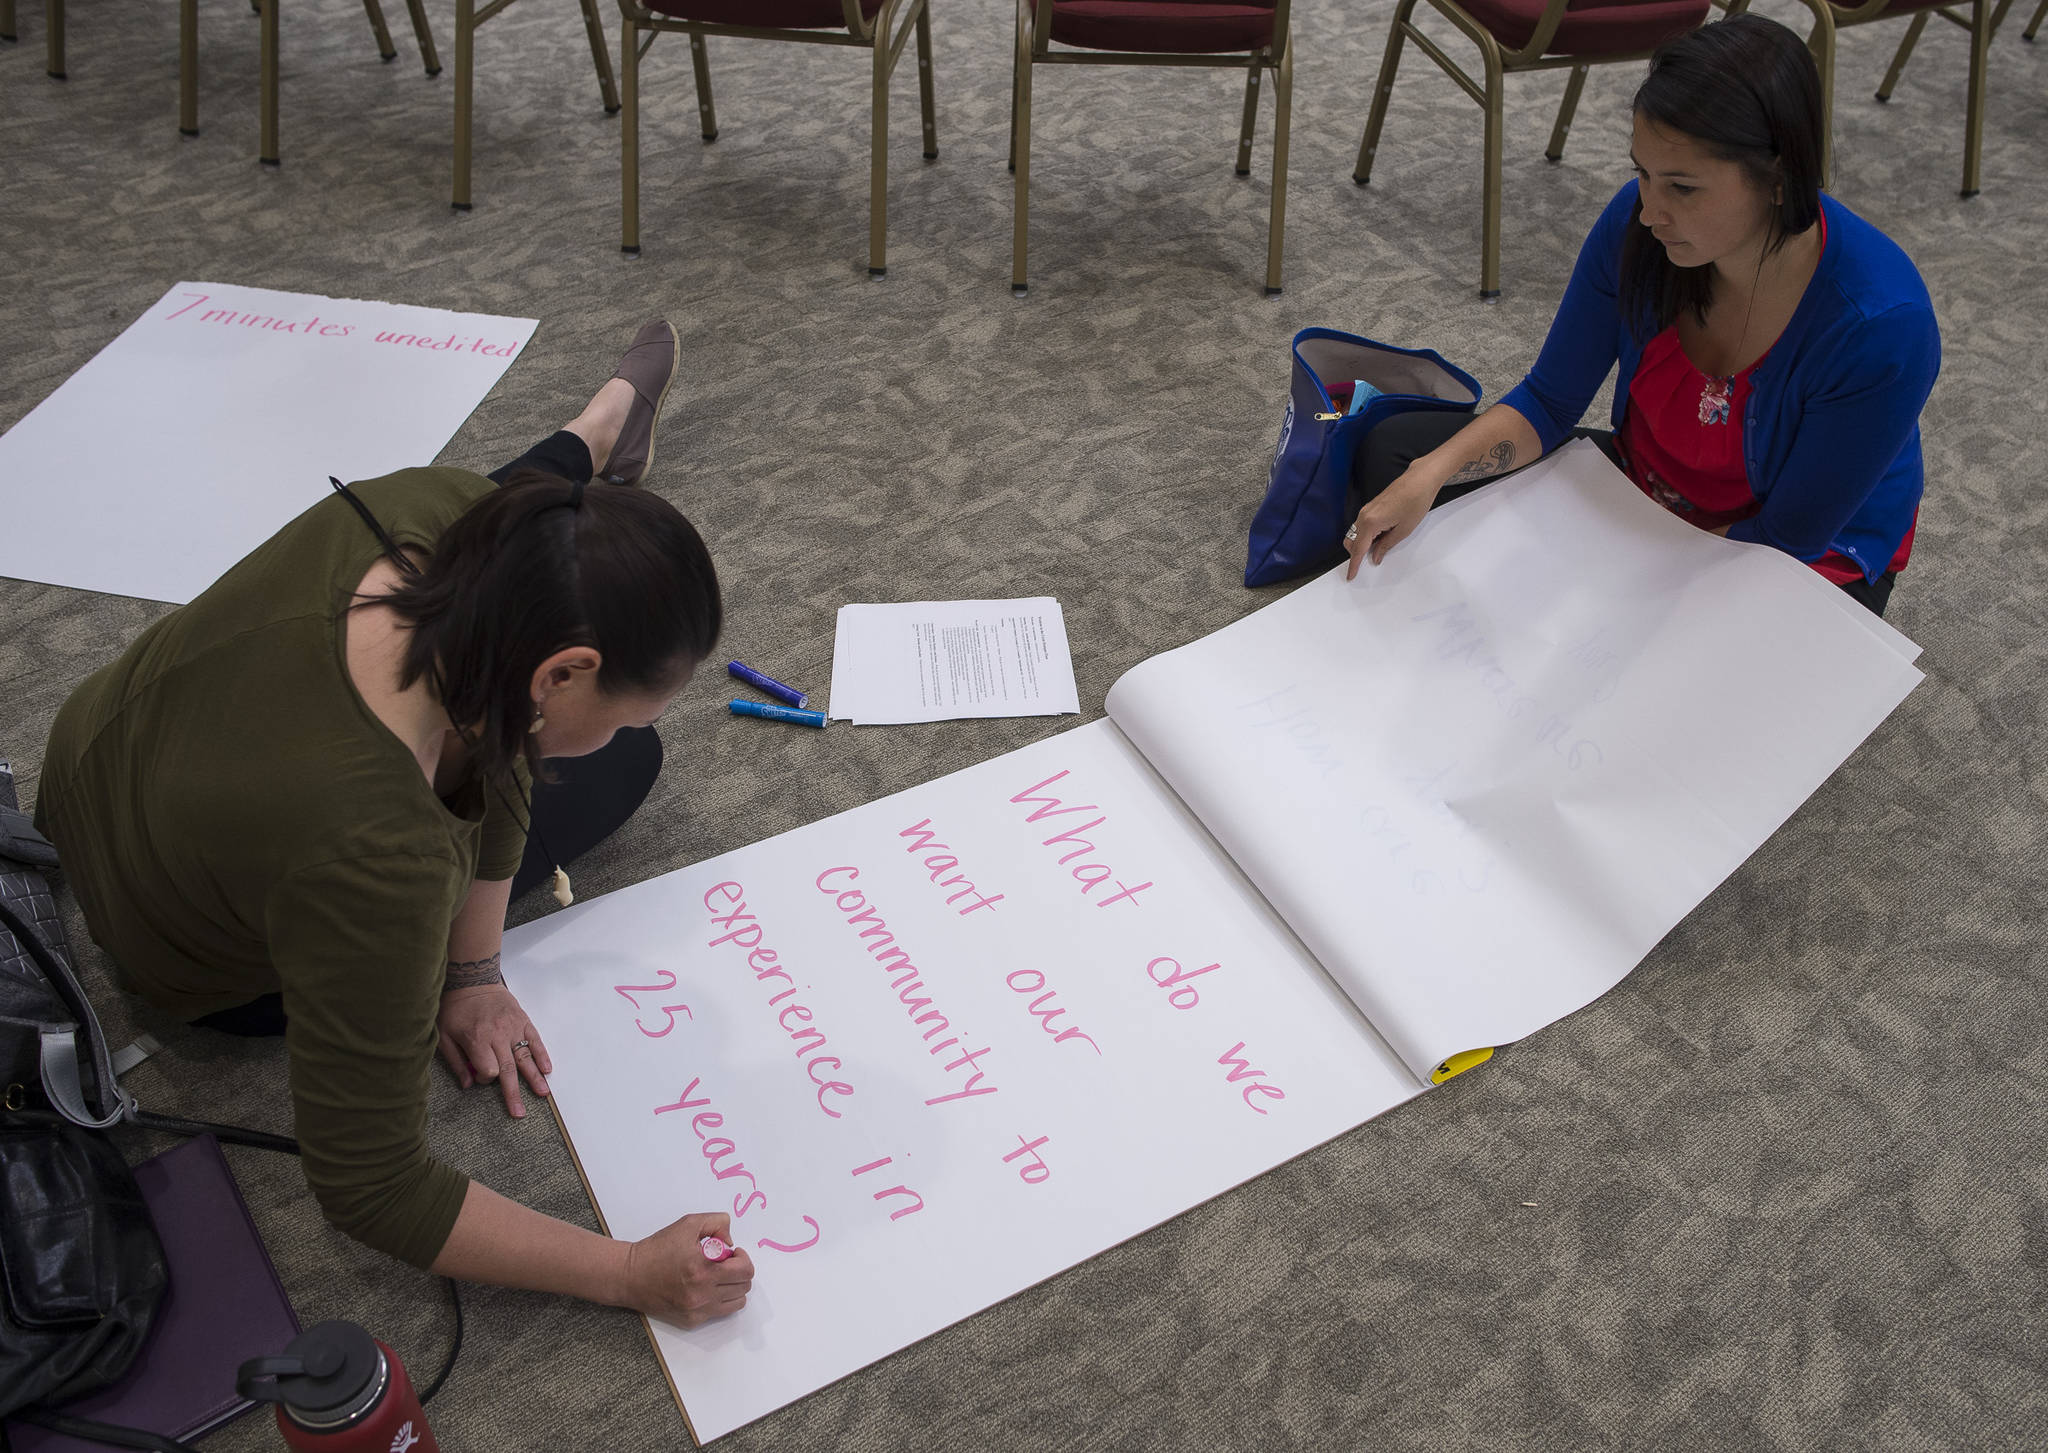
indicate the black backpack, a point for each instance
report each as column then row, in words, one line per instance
column 81, row 1269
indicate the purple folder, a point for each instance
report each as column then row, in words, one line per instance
column 222, row 1306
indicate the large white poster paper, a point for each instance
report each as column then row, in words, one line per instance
column 1520, row 749
column 920, row 1035
column 217, row 416
column 1016, row 1015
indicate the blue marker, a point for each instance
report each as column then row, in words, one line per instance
column 776, row 713
column 786, row 694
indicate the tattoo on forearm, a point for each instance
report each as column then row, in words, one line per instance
column 1499, row 461
column 472, row 973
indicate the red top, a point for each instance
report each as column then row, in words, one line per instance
column 1682, row 440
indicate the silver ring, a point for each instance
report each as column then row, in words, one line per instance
column 1350, row 536
column 519, row 1044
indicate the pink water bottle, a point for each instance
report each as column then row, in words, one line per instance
column 339, row 1390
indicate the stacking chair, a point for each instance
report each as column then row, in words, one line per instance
column 188, row 62
column 469, row 18
column 1526, row 35
column 1982, row 23
column 871, row 24
column 1249, row 33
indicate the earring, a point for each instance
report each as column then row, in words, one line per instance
column 536, row 724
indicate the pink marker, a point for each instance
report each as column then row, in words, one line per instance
column 714, row 1249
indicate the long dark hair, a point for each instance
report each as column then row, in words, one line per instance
column 1746, row 88
column 541, row 565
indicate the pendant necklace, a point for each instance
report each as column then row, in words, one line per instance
column 1717, row 395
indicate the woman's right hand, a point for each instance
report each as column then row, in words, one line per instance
column 669, row 1277
column 1388, row 518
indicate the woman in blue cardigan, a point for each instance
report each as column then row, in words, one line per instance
column 1775, row 349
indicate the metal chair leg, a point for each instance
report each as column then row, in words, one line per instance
column 188, row 67
column 53, row 17
column 926, row 105
column 2034, row 25
column 1013, row 103
column 423, row 34
column 8, row 31
column 386, row 51
column 1973, row 136
column 1020, row 152
column 465, row 88
column 1567, row 109
column 266, row 147
column 1251, row 115
column 1382, row 91
column 1283, row 111
column 878, row 154
column 601, row 57
column 1489, row 207
column 1900, row 56
column 707, row 111
column 1821, row 41
column 629, row 136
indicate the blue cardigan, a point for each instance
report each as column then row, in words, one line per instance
column 1831, row 429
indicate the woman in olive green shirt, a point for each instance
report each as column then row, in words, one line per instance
column 299, row 803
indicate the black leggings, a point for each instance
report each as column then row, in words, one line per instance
column 1391, row 447
column 587, row 800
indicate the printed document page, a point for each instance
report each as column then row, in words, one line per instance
column 943, row 660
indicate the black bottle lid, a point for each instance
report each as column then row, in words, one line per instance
column 329, row 1374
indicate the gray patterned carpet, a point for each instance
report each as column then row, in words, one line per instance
column 1788, row 1179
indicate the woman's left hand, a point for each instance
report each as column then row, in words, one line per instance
column 486, row 1036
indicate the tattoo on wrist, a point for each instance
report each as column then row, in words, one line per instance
column 1499, row 461
column 472, row 973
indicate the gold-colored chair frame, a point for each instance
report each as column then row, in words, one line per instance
column 266, row 150
column 1034, row 48
column 882, row 36
column 1973, row 143
column 1498, row 63
column 53, row 39
column 469, row 18
column 1830, row 17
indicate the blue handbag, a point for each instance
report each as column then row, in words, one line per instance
column 1299, row 527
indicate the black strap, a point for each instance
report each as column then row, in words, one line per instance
column 61, row 985
column 71, row 995
column 94, row 1431
column 397, row 556
column 454, row 1347
column 228, row 1134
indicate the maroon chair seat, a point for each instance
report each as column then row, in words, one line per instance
column 1163, row 27
column 765, row 14
column 1596, row 27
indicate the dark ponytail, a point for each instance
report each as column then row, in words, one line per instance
column 542, row 565
column 1746, row 88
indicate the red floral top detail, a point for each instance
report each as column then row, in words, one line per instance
column 1682, row 439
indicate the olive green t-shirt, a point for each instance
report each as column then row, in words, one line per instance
column 235, row 821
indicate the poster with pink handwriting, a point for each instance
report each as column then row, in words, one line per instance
column 985, row 1028
column 217, row 416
